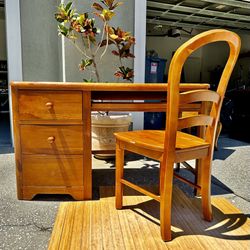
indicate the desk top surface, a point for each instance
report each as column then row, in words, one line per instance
column 104, row 86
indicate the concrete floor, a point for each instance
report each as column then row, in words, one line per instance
column 28, row 224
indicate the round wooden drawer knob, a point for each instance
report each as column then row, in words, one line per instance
column 49, row 105
column 51, row 139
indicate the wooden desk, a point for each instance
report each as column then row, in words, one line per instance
column 52, row 130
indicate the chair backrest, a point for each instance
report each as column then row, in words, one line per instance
column 174, row 98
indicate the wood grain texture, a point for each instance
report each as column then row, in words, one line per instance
column 147, row 107
column 50, row 105
column 135, row 87
column 154, row 139
column 17, row 143
column 86, row 139
column 54, row 118
column 48, row 142
column 52, row 170
column 195, row 121
column 98, row 225
column 35, row 139
column 199, row 96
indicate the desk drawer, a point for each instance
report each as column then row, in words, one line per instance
column 50, row 105
column 47, row 139
column 49, row 170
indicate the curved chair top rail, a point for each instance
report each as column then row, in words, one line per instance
column 175, row 69
column 199, row 41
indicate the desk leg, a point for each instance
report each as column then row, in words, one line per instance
column 87, row 160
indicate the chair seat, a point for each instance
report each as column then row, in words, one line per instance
column 154, row 139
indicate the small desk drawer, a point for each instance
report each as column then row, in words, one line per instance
column 49, row 170
column 47, row 139
column 50, row 105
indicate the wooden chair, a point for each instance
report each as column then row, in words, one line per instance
column 173, row 146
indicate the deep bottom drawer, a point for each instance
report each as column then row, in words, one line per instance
column 52, row 170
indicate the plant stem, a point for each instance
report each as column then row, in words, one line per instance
column 96, row 71
column 103, row 32
column 94, row 62
column 84, row 44
column 120, row 59
column 79, row 49
column 107, row 44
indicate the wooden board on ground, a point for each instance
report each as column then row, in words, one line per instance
column 98, row 225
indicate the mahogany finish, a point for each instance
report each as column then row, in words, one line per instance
column 172, row 146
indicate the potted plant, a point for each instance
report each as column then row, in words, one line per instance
column 92, row 43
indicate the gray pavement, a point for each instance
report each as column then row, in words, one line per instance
column 28, row 224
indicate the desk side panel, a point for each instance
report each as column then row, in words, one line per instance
column 17, row 142
column 87, row 159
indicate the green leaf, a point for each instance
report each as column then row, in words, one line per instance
column 108, row 14
column 81, row 19
column 69, row 13
column 59, row 18
column 85, row 63
column 88, row 80
column 126, row 74
column 123, row 70
column 68, row 6
column 63, row 30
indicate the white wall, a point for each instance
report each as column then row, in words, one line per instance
column 14, row 54
column 40, row 52
column 42, row 48
column 109, row 63
column 140, row 9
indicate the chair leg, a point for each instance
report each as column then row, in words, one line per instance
column 178, row 167
column 119, row 164
column 206, row 188
column 197, row 174
column 166, row 185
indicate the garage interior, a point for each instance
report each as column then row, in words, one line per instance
column 5, row 138
column 172, row 22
